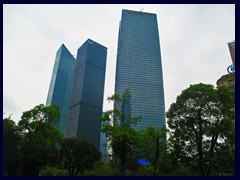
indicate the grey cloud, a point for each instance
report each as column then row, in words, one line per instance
column 9, row 105
column 193, row 44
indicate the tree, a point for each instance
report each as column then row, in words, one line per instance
column 117, row 125
column 77, row 155
column 102, row 169
column 202, row 125
column 52, row 171
column 39, row 138
column 11, row 147
column 152, row 146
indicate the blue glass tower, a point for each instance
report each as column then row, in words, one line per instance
column 139, row 67
column 61, row 84
column 103, row 147
column 87, row 93
column 103, row 144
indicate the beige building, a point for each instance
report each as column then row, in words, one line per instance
column 227, row 80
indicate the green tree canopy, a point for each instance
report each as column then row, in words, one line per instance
column 11, row 147
column 77, row 155
column 202, row 125
column 39, row 138
column 152, row 146
column 117, row 125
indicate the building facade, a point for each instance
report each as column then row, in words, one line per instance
column 104, row 147
column 87, row 93
column 139, row 67
column 103, row 144
column 61, row 84
column 227, row 80
column 231, row 46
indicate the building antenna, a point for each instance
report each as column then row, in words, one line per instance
column 141, row 10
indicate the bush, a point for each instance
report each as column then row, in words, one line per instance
column 101, row 170
column 52, row 171
column 145, row 170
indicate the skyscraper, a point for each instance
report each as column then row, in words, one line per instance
column 103, row 144
column 139, row 67
column 61, row 84
column 87, row 93
column 103, row 147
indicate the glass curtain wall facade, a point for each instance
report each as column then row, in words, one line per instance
column 87, row 94
column 103, row 144
column 61, row 84
column 139, row 67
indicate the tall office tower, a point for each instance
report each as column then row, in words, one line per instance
column 103, row 147
column 87, row 94
column 103, row 144
column 139, row 67
column 61, row 84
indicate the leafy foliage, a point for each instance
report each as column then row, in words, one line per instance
column 102, row 169
column 202, row 124
column 77, row 156
column 52, row 171
column 201, row 140
column 39, row 138
column 152, row 146
column 36, row 140
column 119, row 132
column 11, row 147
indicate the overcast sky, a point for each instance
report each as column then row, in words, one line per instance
column 193, row 40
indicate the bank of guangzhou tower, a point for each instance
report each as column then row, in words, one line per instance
column 139, row 67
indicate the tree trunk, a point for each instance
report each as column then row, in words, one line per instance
column 156, row 156
column 199, row 144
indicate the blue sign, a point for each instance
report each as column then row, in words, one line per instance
column 143, row 161
column 231, row 69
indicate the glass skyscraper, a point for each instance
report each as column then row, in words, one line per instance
column 139, row 67
column 87, row 93
column 61, row 84
column 103, row 144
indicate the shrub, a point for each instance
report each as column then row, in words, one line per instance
column 52, row 171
